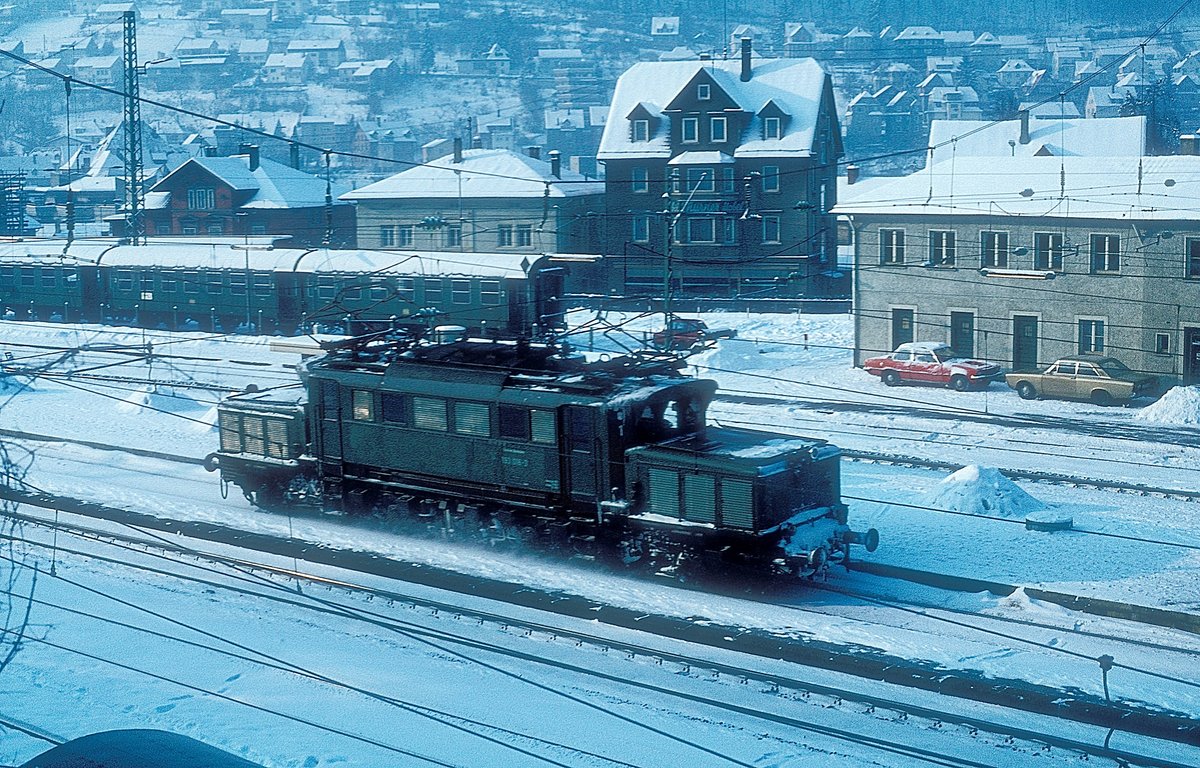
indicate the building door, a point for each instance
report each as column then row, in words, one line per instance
column 962, row 333
column 1191, row 356
column 902, row 327
column 1025, row 343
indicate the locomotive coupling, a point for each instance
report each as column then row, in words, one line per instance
column 870, row 539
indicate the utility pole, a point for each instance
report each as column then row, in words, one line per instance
column 135, row 224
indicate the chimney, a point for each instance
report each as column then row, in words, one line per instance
column 1024, row 115
column 534, row 151
column 294, row 150
column 556, row 163
column 212, row 152
column 851, row 173
column 457, row 150
column 251, row 153
column 745, row 59
column 1188, row 144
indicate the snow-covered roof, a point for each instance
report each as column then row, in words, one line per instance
column 1113, row 188
column 272, row 184
column 314, row 45
column 1111, row 136
column 484, row 173
column 795, row 85
column 701, row 158
column 232, row 253
column 286, row 60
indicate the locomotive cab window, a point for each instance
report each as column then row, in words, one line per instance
column 363, row 403
column 394, row 408
column 429, row 413
column 472, row 419
column 514, row 423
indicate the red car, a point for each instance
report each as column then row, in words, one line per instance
column 929, row 362
column 685, row 333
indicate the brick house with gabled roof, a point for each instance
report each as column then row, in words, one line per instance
column 729, row 169
column 246, row 195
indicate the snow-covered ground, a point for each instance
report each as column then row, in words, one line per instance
column 804, row 360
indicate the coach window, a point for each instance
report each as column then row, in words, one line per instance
column 262, row 284
column 489, row 292
column 363, row 404
column 406, row 288
column 352, row 294
column 48, row 277
column 124, row 279
column 541, row 424
column 429, row 413
column 472, row 419
column 433, row 290
column 167, row 284
column 514, row 423
column 326, row 288
column 191, row 282
column 237, row 285
column 379, row 290
column 393, row 407
column 460, row 291
column 216, row 282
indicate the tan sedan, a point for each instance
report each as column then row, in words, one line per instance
column 1103, row 380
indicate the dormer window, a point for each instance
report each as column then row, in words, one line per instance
column 772, row 128
column 641, row 130
column 689, row 130
column 718, row 129
column 703, row 92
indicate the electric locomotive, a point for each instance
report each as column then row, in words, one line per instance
column 609, row 456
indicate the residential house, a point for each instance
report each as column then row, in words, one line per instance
column 286, row 69
column 481, row 200
column 1107, row 101
column 742, row 155
column 100, row 70
column 248, row 20
column 957, row 103
column 325, row 55
column 1022, row 260
column 248, row 195
column 1014, row 74
column 495, row 61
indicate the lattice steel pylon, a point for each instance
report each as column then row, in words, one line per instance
column 135, row 224
column 12, row 204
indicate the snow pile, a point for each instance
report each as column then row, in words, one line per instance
column 1180, row 405
column 979, row 490
column 151, row 398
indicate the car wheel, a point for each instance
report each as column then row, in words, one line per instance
column 891, row 378
column 959, row 383
column 1027, row 391
column 1102, row 397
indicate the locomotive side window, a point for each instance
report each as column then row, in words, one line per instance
column 514, row 423
column 363, row 402
column 472, row 419
column 394, row 408
column 542, row 427
column 429, row 413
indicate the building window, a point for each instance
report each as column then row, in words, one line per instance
column 1106, row 253
column 504, row 235
column 453, row 237
column 1048, row 251
column 891, row 246
column 641, row 130
column 460, row 291
column 641, row 229
column 941, row 249
column 772, row 128
column 1091, row 337
column 215, row 230
column 404, row 236
column 770, row 178
column 363, row 404
column 718, row 129
column 387, row 236
column 524, row 235
column 202, row 199
column 993, row 250
column 1193, row 259
column 639, row 180
column 701, row 229
column 703, row 92
column 690, row 130
column 700, row 180
column 1162, row 343
column 727, row 179
column 770, row 229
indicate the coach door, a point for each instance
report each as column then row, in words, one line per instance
column 1025, row 343
column 581, row 449
column 1191, row 356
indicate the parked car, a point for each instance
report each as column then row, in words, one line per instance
column 929, row 362
column 1103, row 380
column 685, row 333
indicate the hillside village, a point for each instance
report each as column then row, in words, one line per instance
column 763, row 158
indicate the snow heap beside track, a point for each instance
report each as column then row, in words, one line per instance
column 1180, row 405
column 979, row 490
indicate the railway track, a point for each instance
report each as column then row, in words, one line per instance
column 862, row 662
column 798, row 692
